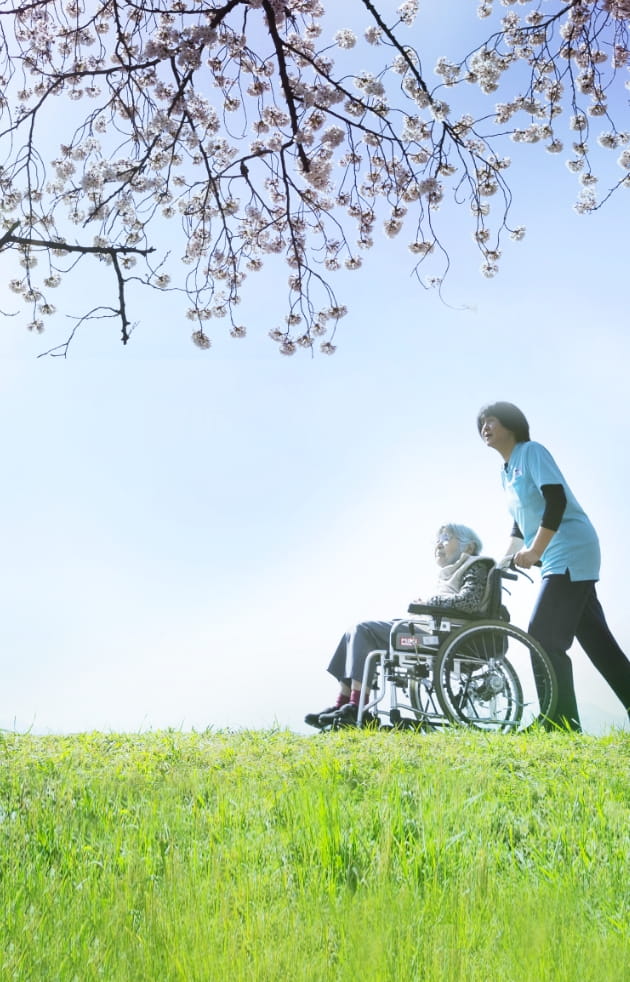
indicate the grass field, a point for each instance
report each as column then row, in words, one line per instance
column 275, row 857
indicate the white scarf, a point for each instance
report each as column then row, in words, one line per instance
column 450, row 577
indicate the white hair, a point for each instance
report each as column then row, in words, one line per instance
column 464, row 535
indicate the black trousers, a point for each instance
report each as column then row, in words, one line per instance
column 566, row 610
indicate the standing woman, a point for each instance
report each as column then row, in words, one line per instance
column 551, row 528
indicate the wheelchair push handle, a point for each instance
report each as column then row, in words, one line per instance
column 512, row 572
column 507, row 574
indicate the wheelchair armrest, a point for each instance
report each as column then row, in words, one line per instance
column 434, row 611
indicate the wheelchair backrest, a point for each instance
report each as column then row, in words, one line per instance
column 492, row 599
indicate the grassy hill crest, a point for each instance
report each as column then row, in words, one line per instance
column 272, row 856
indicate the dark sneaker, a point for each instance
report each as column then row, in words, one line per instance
column 346, row 716
column 313, row 719
column 334, row 716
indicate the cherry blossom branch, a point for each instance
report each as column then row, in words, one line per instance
column 267, row 143
column 286, row 85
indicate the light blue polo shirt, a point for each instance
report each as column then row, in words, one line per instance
column 575, row 546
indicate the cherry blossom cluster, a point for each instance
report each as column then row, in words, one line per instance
column 256, row 137
column 573, row 57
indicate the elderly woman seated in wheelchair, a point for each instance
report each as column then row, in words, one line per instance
column 456, row 660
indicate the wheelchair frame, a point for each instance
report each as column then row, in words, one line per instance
column 446, row 667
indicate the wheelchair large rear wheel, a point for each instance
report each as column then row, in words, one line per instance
column 493, row 676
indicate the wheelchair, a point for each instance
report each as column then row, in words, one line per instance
column 445, row 668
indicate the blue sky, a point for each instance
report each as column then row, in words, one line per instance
column 186, row 534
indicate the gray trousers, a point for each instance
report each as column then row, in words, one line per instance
column 348, row 661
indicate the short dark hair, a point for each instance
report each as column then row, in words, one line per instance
column 509, row 416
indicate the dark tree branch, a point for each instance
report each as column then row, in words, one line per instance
column 265, row 141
